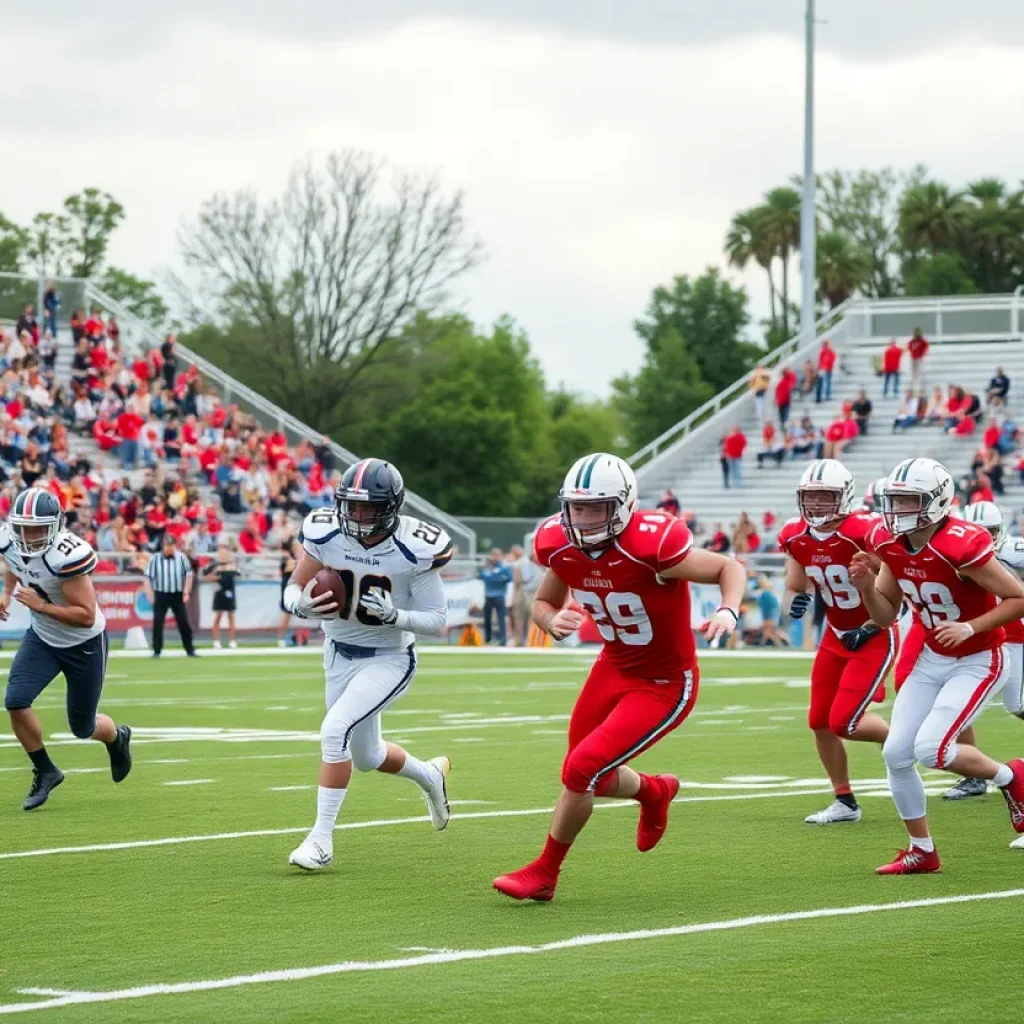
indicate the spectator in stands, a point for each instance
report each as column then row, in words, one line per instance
column 1008, row 437
column 808, row 379
column 51, row 303
column 325, row 455
column 990, row 439
column 169, row 359
column 128, row 426
column 917, row 349
column 723, row 462
column 826, row 364
column 496, row 577
column 956, row 401
column 784, row 394
column 965, row 422
column 891, row 359
column 805, row 439
column 735, row 445
column 989, row 462
column 906, row 413
column 760, row 379
column 47, row 351
column 772, row 633
column 769, row 535
column 772, row 446
column 719, row 541
column 27, row 324
column 114, row 331
column 744, row 537
column 31, row 464
column 862, row 411
column 981, row 490
column 836, row 439
column 998, row 388
column 669, row 503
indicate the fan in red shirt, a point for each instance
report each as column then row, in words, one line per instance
column 917, row 348
column 629, row 569
column 784, row 394
column 963, row 596
column 855, row 654
column 891, row 359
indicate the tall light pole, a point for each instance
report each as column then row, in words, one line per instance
column 808, row 259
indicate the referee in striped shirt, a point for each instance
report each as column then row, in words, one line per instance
column 168, row 584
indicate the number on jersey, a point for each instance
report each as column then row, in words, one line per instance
column 933, row 601
column 618, row 617
column 366, row 583
column 834, row 585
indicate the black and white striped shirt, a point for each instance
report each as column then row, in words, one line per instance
column 168, row 575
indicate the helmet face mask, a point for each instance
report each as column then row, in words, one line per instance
column 903, row 512
column 917, row 494
column 590, row 524
column 820, row 506
column 366, row 521
column 34, row 539
column 369, row 501
column 825, row 493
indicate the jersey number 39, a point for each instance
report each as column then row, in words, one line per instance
column 618, row 617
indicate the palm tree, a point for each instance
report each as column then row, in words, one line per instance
column 780, row 216
column 932, row 217
column 842, row 267
column 747, row 240
column 993, row 237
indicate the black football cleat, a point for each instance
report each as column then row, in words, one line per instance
column 121, row 754
column 42, row 785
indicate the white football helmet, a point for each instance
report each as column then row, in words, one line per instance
column 825, row 492
column 987, row 514
column 873, row 495
column 917, row 493
column 598, row 479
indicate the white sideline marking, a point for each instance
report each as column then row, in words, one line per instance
column 382, row 823
column 494, row 952
column 189, row 782
column 49, row 992
column 287, row 789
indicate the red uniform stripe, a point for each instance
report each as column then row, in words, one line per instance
column 360, row 470
column 976, row 701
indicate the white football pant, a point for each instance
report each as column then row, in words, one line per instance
column 941, row 697
column 1013, row 691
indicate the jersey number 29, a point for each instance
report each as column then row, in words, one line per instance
column 618, row 617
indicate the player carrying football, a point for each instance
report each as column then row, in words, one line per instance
column 629, row 569
column 946, row 568
column 855, row 654
column 47, row 569
column 389, row 564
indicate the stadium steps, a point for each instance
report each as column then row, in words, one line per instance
column 698, row 485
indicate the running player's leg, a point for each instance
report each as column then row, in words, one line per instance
column 911, row 647
column 34, row 667
column 84, row 667
column 356, row 690
column 912, row 706
column 826, row 672
column 861, row 684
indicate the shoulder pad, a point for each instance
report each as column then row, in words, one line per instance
column 423, row 544
column 320, row 526
column 791, row 529
column 1011, row 553
column 70, row 556
column 549, row 539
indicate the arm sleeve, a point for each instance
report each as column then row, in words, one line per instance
column 429, row 611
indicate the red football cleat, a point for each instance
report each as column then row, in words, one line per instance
column 529, row 883
column 912, row 862
column 654, row 814
column 1014, row 794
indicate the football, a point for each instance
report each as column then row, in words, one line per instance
column 327, row 580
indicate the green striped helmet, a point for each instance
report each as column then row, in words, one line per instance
column 917, row 493
column 825, row 492
column 606, row 485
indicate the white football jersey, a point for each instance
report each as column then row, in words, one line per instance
column 69, row 557
column 405, row 564
column 1011, row 553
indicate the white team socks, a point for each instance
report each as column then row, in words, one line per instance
column 1004, row 776
column 416, row 770
column 328, row 804
column 928, row 845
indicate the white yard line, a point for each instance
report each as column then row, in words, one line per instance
column 380, row 823
column 498, row 952
column 189, row 782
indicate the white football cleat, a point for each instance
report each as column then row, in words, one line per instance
column 315, row 853
column 835, row 812
column 216, row 645
column 437, row 796
column 1017, row 844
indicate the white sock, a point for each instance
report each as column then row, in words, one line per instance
column 420, row 773
column 328, row 804
column 1004, row 776
column 928, row 845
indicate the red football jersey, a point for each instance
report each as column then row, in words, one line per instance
column 644, row 620
column 931, row 582
column 826, row 562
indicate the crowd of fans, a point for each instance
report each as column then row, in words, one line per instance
column 163, row 438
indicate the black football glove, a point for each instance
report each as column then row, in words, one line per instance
column 799, row 605
column 855, row 639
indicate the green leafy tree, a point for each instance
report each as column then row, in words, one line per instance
column 90, row 218
column 993, row 235
column 141, row 297
column 944, row 273
column 748, row 239
column 780, row 217
column 932, row 218
column 842, row 267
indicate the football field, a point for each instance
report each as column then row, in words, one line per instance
column 169, row 897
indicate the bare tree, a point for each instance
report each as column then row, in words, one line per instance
column 331, row 270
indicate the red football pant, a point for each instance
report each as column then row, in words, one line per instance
column 844, row 683
column 910, row 651
column 617, row 717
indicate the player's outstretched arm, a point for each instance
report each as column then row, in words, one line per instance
column 878, row 588
column 80, row 609
column 700, row 566
column 549, row 611
column 996, row 579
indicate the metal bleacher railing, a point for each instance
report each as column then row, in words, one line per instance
column 137, row 335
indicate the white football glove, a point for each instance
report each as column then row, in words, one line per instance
column 301, row 602
column 377, row 602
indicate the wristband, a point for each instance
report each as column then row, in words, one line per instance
column 726, row 608
column 971, row 628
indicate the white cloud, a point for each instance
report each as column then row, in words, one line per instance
column 594, row 169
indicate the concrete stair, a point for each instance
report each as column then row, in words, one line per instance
column 698, row 485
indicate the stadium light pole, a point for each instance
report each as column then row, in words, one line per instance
column 808, row 257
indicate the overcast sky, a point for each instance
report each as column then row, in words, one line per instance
column 603, row 145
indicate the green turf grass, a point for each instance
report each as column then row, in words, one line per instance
column 117, row 919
